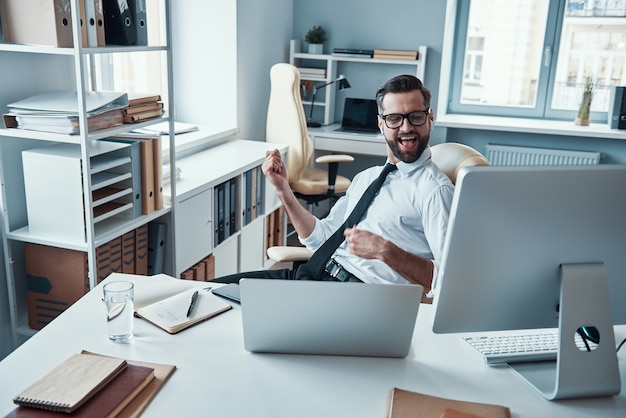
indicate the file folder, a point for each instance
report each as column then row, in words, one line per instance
column 141, row 23
column 103, row 261
column 94, row 15
column 37, row 22
column 128, row 252
column 119, row 24
column 226, row 215
column 233, row 205
column 157, row 235
column 141, row 250
column 115, row 254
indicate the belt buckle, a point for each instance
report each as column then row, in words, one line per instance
column 333, row 268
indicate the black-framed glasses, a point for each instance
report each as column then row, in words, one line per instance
column 415, row 118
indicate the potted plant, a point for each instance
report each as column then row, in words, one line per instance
column 315, row 37
column 583, row 112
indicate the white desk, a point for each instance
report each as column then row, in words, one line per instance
column 217, row 377
column 327, row 138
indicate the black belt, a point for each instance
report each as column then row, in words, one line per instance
column 337, row 272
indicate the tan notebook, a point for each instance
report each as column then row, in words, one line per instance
column 71, row 383
column 407, row 404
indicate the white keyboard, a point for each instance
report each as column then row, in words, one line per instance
column 497, row 349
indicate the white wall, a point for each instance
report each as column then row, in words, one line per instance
column 263, row 32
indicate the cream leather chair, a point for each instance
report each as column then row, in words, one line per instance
column 450, row 157
column 286, row 124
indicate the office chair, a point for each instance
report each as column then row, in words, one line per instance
column 286, row 124
column 450, row 157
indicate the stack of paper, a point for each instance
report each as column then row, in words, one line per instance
column 58, row 112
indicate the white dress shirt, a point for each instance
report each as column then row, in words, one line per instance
column 411, row 210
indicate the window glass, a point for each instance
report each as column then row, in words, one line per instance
column 532, row 58
column 503, row 50
column 593, row 45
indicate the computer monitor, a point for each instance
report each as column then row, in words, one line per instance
column 517, row 240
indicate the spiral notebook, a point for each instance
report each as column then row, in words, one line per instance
column 71, row 383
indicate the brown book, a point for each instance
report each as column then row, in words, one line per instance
column 69, row 385
column 137, row 99
column 407, row 404
column 139, row 117
column 107, row 403
column 131, row 110
column 162, row 373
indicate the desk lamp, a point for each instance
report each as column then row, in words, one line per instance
column 343, row 84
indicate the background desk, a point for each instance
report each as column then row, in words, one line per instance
column 217, row 377
column 327, row 138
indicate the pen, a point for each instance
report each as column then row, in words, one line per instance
column 194, row 297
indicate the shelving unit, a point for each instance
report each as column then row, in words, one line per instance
column 63, row 176
column 332, row 64
column 197, row 213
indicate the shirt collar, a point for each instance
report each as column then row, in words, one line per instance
column 409, row 167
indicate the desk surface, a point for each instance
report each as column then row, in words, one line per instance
column 327, row 138
column 217, row 377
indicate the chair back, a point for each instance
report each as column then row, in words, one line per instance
column 286, row 122
column 450, row 157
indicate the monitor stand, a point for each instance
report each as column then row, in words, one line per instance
column 579, row 373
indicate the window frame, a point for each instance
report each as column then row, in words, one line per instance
column 455, row 36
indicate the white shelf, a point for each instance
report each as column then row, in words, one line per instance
column 333, row 62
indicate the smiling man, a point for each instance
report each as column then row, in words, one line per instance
column 399, row 239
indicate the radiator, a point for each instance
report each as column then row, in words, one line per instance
column 513, row 155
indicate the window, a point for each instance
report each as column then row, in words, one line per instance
column 204, row 67
column 531, row 58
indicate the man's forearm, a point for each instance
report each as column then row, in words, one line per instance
column 415, row 269
column 302, row 220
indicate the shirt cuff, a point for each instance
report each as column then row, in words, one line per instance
column 431, row 292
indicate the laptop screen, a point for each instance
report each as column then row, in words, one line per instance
column 359, row 115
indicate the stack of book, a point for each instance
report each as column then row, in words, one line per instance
column 306, row 72
column 92, row 385
column 393, row 54
column 350, row 52
column 142, row 107
column 57, row 112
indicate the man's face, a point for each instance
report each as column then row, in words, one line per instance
column 407, row 142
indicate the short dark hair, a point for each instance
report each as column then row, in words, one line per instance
column 401, row 84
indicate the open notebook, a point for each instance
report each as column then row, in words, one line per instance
column 333, row 318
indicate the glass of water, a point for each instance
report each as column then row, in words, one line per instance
column 118, row 298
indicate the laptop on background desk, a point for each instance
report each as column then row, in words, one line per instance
column 329, row 318
column 359, row 116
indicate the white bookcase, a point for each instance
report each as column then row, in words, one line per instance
column 332, row 64
column 52, row 184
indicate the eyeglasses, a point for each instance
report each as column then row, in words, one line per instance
column 415, row 118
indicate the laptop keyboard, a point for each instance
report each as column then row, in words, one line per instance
column 498, row 349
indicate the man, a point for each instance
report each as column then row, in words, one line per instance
column 400, row 237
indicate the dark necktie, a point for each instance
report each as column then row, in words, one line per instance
column 319, row 259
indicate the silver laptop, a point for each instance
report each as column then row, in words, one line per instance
column 331, row 318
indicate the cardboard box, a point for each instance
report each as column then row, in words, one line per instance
column 56, row 278
column 37, row 22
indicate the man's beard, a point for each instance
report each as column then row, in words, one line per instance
column 411, row 155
